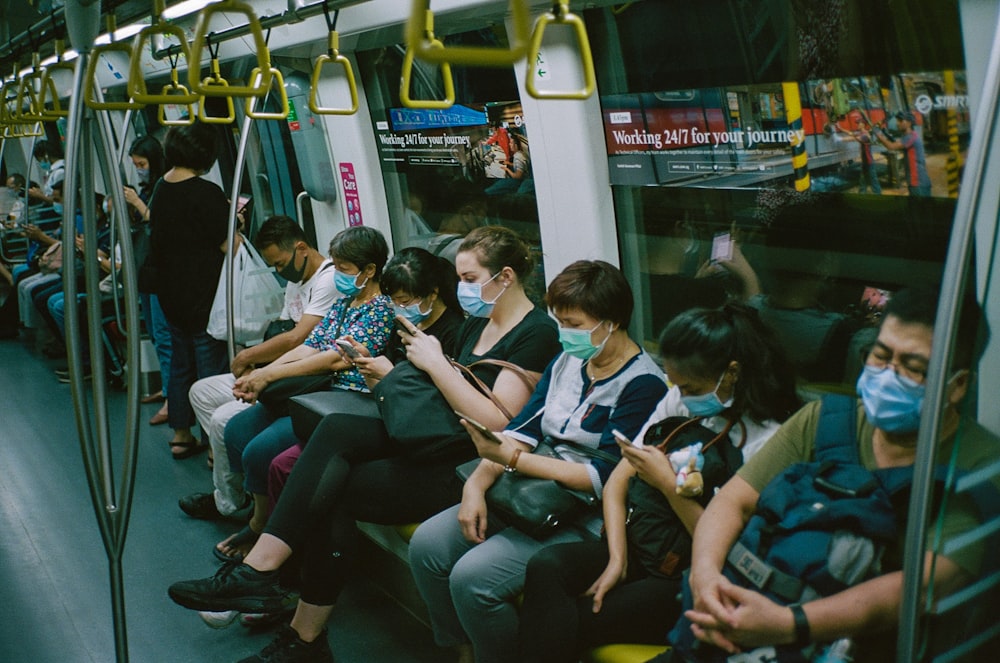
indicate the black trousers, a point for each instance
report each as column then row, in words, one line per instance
column 558, row 623
column 350, row 470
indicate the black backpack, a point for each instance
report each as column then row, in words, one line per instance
column 657, row 539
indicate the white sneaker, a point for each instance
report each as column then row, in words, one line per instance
column 219, row 619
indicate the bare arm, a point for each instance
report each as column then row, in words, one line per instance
column 274, row 347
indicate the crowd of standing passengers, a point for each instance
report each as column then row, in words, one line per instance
column 367, row 331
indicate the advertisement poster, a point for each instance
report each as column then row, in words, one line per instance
column 901, row 135
column 486, row 143
column 351, row 199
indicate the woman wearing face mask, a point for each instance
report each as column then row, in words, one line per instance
column 468, row 565
column 368, row 476
column 723, row 365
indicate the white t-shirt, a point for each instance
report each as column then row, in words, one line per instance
column 757, row 434
column 314, row 297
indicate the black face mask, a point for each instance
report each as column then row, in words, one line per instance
column 291, row 273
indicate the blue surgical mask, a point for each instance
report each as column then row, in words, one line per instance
column 577, row 342
column 347, row 283
column 143, row 174
column 470, row 298
column 412, row 312
column 892, row 401
column 45, row 166
column 57, row 208
column 706, row 405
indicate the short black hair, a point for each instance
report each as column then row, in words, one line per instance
column 280, row 231
column 418, row 273
column 918, row 305
column 150, row 148
column 361, row 246
column 595, row 287
column 46, row 149
column 18, row 180
column 194, row 146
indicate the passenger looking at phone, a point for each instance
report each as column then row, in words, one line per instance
column 309, row 296
column 422, row 288
column 253, row 437
column 468, row 564
column 724, row 366
column 728, row 617
column 365, row 474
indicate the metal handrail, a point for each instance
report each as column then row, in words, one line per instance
column 407, row 73
column 136, row 86
column 48, row 85
column 251, row 102
column 90, row 78
column 426, row 49
column 26, row 92
column 334, row 56
column 956, row 267
column 229, row 264
column 561, row 15
column 201, row 37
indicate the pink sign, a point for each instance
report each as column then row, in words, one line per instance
column 351, row 198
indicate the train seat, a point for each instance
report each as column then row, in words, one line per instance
column 623, row 653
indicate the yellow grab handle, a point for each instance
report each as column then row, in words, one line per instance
column 561, row 16
column 221, row 84
column 198, row 85
column 404, row 86
column 49, row 87
column 136, row 80
column 26, row 89
column 178, row 91
column 90, row 79
column 423, row 45
column 251, row 102
column 333, row 55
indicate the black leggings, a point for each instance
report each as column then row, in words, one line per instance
column 348, row 471
column 558, row 622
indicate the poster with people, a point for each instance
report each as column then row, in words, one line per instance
column 888, row 135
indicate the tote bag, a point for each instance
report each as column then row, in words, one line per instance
column 257, row 298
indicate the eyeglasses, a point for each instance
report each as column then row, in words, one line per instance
column 908, row 366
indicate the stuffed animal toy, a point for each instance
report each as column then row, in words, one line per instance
column 688, row 463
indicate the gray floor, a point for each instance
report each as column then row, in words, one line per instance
column 55, row 602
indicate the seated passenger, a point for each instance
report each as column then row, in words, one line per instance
column 422, row 287
column 727, row 617
column 468, row 564
column 309, row 296
column 49, row 157
column 723, row 365
column 374, row 478
column 256, row 435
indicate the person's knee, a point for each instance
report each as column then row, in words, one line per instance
column 545, row 564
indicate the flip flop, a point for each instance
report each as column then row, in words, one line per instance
column 190, row 448
column 245, row 536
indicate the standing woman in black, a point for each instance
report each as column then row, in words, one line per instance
column 188, row 220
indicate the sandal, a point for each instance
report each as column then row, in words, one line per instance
column 245, row 538
column 189, row 448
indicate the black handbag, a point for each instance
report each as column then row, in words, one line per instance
column 536, row 506
column 419, row 419
column 276, row 395
column 276, row 327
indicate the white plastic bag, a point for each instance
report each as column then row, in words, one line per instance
column 257, row 298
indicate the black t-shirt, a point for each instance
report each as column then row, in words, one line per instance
column 531, row 344
column 444, row 329
column 188, row 221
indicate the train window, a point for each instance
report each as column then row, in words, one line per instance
column 449, row 171
column 817, row 153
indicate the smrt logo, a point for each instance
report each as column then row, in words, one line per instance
column 925, row 103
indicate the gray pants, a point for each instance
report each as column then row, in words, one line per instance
column 469, row 588
column 214, row 405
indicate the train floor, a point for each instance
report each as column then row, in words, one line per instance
column 55, row 599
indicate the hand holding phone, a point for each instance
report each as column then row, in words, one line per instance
column 722, row 247
column 405, row 326
column 620, row 436
column 348, row 349
column 487, row 433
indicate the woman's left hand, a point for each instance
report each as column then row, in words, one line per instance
column 652, row 465
column 248, row 387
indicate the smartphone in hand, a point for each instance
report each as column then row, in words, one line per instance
column 620, row 436
column 487, row 433
column 405, row 325
column 722, row 247
column 348, row 349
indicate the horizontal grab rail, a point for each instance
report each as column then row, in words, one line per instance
column 425, row 48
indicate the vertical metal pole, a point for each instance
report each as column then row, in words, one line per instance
column 234, row 203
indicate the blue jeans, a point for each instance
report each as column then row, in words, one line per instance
column 194, row 356
column 159, row 332
column 253, row 438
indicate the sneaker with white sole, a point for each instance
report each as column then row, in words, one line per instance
column 219, row 619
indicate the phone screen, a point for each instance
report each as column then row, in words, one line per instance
column 348, row 349
column 479, row 427
column 722, row 247
column 621, row 437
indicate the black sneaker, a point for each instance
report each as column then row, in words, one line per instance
column 200, row 506
column 287, row 647
column 233, row 587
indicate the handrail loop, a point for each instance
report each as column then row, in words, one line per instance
column 425, row 48
column 49, row 85
column 17, row 125
column 27, row 91
column 136, row 80
column 180, row 91
column 332, row 55
column 221, row 87
column 202, row 35
column 90, row 78
column 561, row 15
column 407, row 72
column 251, row 102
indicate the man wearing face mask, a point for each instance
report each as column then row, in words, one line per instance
column 309, row 295
column 728, row 618
column 50, row 162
